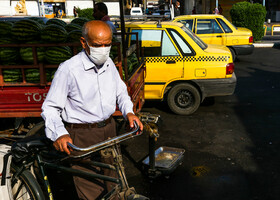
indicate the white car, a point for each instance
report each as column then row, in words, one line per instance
column 136, row 11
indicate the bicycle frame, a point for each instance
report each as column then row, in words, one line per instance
column 109, row 145
column 43, row 165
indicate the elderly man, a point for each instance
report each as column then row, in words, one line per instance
column 84, row 93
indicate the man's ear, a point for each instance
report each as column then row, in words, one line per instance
column 83, row 42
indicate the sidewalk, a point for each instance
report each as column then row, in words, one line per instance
column 268, row 40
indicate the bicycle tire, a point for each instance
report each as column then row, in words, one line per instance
column 26, row 186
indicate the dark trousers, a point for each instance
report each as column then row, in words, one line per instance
column 85, row 137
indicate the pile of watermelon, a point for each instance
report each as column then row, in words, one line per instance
column 33, row 30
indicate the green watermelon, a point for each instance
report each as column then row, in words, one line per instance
column 26, row 30
column 32, row 75
column 74, row 36
column 5, row 28
column 37, row 19
column 12, row 75
column 50, row 74
column 57, row 55
column 56, row 21
column 26, row 54
column 80, row 21
column 8, row 55
column 71, row 27
column 53, row 33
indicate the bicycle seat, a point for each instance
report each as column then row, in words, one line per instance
column 25, row 147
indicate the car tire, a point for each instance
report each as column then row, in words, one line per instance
column 183, row 99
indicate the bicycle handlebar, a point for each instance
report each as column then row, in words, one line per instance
column 109, row 142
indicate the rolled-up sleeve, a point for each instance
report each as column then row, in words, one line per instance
column 55, row 103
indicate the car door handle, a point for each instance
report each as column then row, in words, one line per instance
column 218, row 36
column 170, row 62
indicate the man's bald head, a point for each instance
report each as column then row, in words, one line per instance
column 94, row 28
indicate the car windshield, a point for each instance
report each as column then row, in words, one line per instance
column 197, row 40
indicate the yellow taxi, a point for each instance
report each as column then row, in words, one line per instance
column 180, row 67
column 216, row 29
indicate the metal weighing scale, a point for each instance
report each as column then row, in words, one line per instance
column 163, row 160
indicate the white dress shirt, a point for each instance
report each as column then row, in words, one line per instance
column 81, row 93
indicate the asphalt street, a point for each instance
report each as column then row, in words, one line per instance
column 232, row 143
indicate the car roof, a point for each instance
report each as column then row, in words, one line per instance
column 152, row 24
column 211, row 16
column 136, row 8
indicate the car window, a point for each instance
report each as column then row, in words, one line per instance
column 155, row 43
column 188, row 23
column 182, row 44
column 226, row 28
column 195, row 38
column 208, row 26
column 168, row 48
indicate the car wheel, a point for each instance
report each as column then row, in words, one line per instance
column 183, row 99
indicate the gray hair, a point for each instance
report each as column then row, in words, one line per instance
column 85, row 31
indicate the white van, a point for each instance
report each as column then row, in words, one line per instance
column 136, row 11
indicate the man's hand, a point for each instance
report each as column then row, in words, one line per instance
column 61, row 143
column 131, row 118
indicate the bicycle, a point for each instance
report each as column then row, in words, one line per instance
column 31, row 154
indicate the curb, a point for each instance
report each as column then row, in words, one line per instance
column 263, row 45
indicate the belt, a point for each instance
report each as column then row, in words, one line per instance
column 89, row 125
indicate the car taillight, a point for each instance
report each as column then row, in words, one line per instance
column 229, row 68
column 251, row 39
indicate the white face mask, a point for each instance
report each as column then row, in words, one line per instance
column 99, row 55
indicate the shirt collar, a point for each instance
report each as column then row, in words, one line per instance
column 88, row 64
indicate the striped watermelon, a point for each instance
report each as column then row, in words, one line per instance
column 8, row 55
column 12, row 75
column 53, row 33
column 56, row 21
column 5, row 28
column 80, row 21
column 74, row 36
column 37, row 19
column 57, row 55
column 71, row 27
column 26, row 30
column 32, row 75
column 26, row 54
column 50, row 74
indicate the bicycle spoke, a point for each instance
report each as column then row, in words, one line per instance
column 18, row 189
column 22, row 191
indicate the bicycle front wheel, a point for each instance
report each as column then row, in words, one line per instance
column 25, row 186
